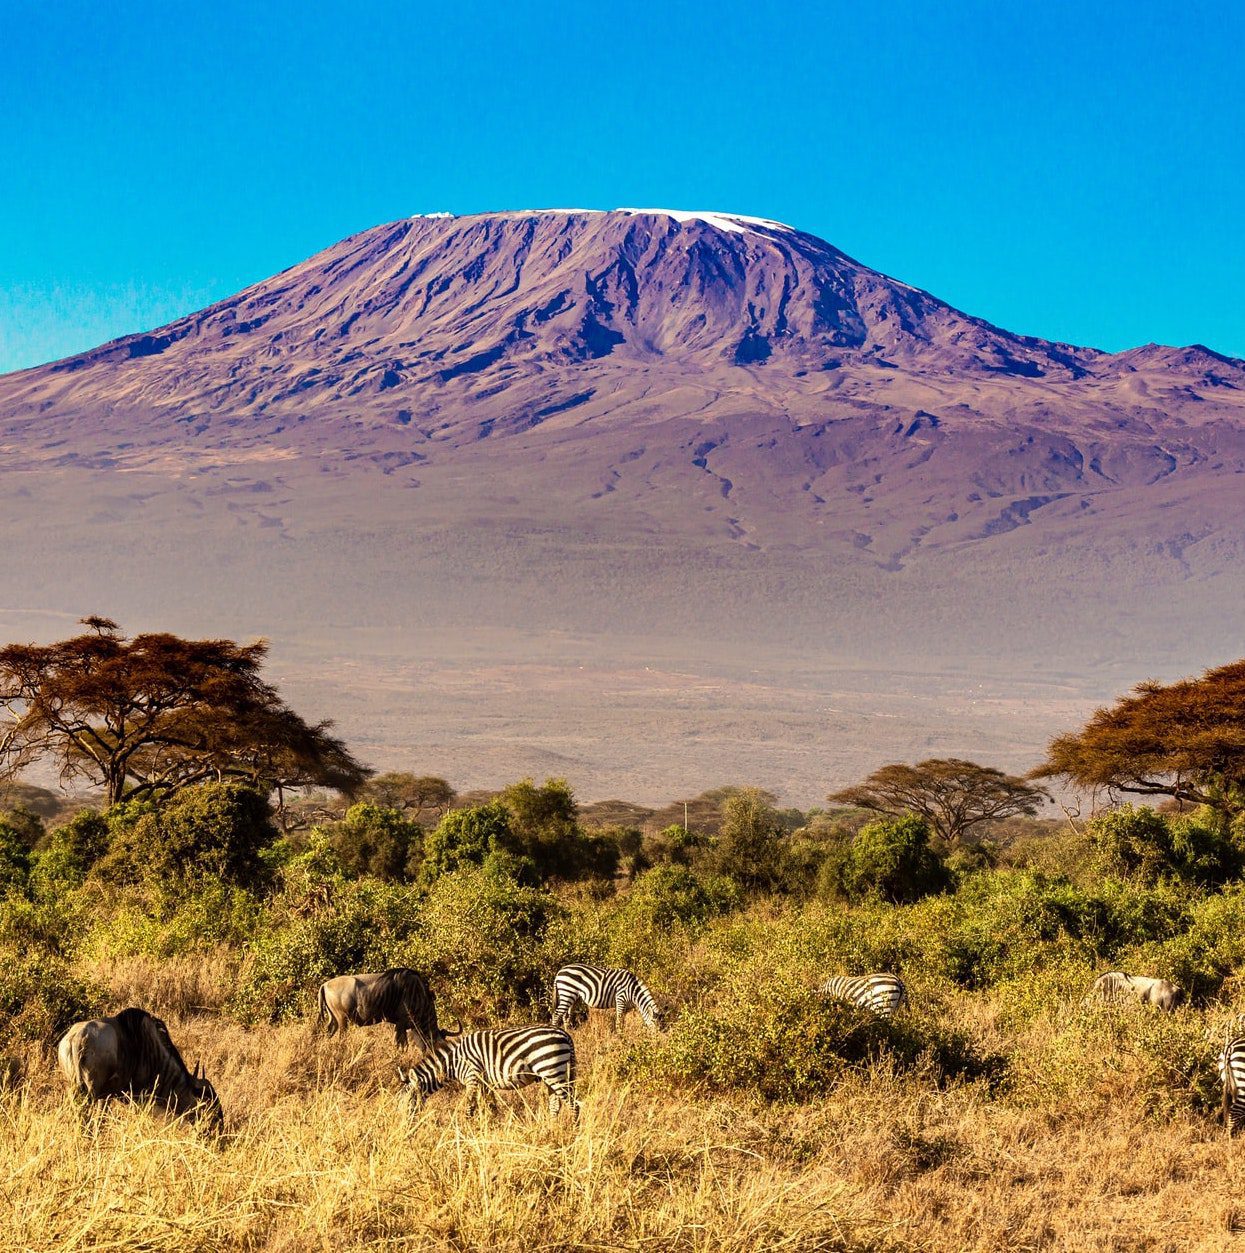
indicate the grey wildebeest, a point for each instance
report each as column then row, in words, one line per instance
column 131, row 1055
column 1115, row 985
column 399, row 995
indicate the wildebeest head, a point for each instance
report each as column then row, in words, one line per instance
column 206, row 1102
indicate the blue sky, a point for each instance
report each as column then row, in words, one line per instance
column 1075, row 171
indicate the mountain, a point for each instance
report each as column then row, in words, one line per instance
column 545, row 450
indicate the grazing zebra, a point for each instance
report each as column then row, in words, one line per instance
column 600, row 988
column 486, row 1061
column 1115, row 985
column 1232, row 1076
column 881, row 993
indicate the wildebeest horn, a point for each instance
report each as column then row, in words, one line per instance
column 458, row 1032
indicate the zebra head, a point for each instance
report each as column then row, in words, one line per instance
column 428, row 1075
column 652, row 1014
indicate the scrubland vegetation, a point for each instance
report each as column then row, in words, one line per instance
column 999, row 1110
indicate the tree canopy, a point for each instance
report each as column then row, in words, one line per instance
column 952, row 795
column 152, row 714
column 1185, row 740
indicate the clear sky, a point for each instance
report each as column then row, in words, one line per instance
column 1070, row 170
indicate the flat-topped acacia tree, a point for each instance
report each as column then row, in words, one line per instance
column 1185, row 740
column 143, row 717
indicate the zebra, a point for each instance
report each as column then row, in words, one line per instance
column 599, row 988
column 1232, row 1076
column 486, row 1061
column 881, row 993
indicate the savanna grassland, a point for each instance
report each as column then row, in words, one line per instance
column 998, row 1111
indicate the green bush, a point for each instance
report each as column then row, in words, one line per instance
column 14, row 862
column 480, row 939
column 752, row 845
column 70, row 853
column 772, row 1037
column 1140, row 843
column 465, row 837
column 372, row 840
column 364, row 927
column 216, row 830
column 40, row 998
column 892, row 860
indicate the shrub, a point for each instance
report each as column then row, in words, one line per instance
column 670, row 895
column 892, row 859
column 71, row 852
column 751, row 847
column 364, row 926
column 378, row 841
column 218, row 830
column 40, row 997
column 14, row 862
column 480, row 938
column 1138, row 842
column 769, row 1035
column 465, row 837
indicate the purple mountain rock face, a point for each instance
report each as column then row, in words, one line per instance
column 715, row 435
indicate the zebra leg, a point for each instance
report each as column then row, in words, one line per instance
column 620, row 1008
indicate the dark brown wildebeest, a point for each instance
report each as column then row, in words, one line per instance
column 399, row 995
column 1161, row 993
column 131, row 1055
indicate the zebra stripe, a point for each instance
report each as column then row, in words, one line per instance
column 599, row 988
column 881, row 993
column 1232, row 1076
column 488, row 1061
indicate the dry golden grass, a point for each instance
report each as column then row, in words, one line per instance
column 320, row 1154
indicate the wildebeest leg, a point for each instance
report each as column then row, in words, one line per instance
column 399, row 1035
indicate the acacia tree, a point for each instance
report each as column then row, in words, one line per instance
column 414, row 794
column 149, row 715
column 1185, row 740
column 952, row 795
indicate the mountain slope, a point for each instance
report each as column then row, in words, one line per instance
column 689, row 434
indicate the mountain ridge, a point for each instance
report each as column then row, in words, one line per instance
column 639, row 435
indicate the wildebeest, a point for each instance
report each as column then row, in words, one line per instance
column 131, row 1055
column 1161, row 993
column 399, row 995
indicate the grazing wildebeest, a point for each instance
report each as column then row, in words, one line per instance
column 486, row 1061
column 1161, row 993
column 399, row 995
column 131, row 1055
